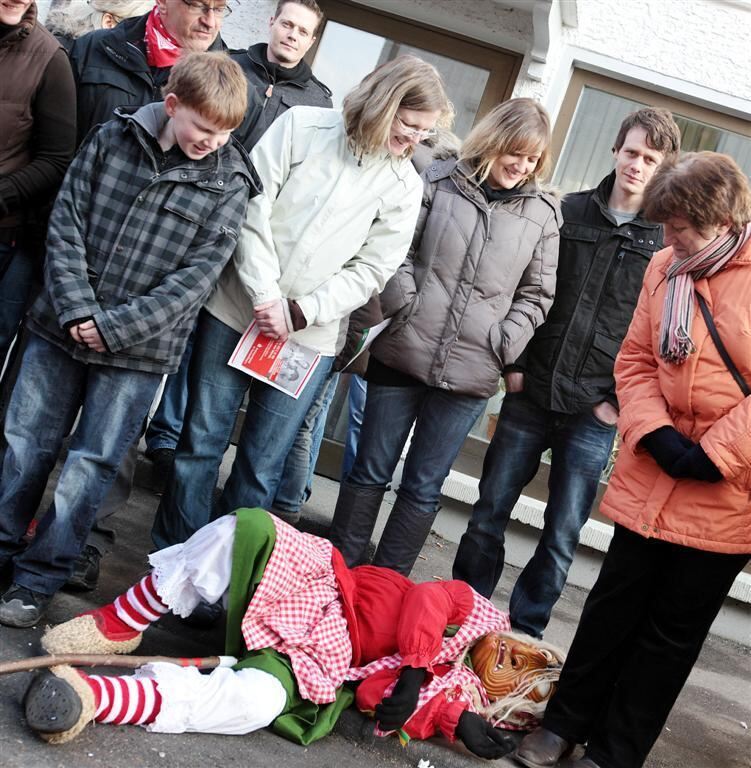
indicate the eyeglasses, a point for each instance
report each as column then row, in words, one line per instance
column 197, row 8
column 410, row 132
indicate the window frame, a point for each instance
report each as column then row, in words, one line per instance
column 581, row 78
column 503, row 66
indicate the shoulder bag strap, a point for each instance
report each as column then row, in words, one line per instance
column 721, row 347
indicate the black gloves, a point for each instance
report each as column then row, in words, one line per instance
column 697, row 465
column 481, row 738
column 667, row 445
column 396, row 709
column 680, row 457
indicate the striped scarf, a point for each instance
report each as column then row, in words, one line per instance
column 678, row 310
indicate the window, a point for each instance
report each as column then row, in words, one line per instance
column 593, row 110
column 355, row 40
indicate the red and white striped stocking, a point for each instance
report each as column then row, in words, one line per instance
column 132, row 612
column 140, row 605
column 124, row 700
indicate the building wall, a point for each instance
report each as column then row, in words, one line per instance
column 698, row 42
column 248, row 23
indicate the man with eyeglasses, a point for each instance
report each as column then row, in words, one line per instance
column 276, row 71
column 127, row 66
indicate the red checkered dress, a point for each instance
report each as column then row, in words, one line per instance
column 297, row 610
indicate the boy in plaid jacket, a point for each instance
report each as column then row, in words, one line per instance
column 145, row 221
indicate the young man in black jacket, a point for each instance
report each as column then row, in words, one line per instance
column 560, row 394
column 276, row 72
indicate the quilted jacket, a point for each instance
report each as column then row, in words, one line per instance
column 701, row 400
column 480, row 277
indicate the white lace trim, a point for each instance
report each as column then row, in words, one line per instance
column 199, row 569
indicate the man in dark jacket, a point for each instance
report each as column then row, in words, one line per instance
column 560, row 394
column 276, row 71
column 127, row 66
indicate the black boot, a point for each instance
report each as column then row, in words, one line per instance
column 402, row 539
column 354, row 519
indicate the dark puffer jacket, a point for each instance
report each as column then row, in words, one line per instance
column 275, row 89
column 568, row 365
column 478, row 280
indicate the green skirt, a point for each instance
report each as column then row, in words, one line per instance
column 301, row 721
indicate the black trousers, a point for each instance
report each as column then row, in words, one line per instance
column 638, row 638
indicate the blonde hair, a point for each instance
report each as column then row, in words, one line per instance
column 516, row 127
column 370, row 107
column 213, row 85
column 706, row 188
column 78, row 18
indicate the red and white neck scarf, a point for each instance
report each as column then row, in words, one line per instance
column 162, row 50
column 678, row 310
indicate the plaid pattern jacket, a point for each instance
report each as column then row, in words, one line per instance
column 137, row 242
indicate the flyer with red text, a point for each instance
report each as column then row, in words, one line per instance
column 285, row 365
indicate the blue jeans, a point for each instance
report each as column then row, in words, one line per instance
column 167, row 422
column 580, row 446
column 442, row 421
column 296, row 483
column 16, row 280
column 358, row 390
column 50, row 389
column 215, row 394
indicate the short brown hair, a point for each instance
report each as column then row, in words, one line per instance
column 662, row 132
column 517, row 126
column 311, row 5
column 707, row 188
column 213, row 85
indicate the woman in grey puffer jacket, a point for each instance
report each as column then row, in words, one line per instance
column 479, row 278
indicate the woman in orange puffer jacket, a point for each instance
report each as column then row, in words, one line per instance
column 679, row 496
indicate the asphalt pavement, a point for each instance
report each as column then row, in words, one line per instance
column 708, row 728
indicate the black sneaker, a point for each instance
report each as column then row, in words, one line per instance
column 162, row 460
column 22, row 607
column 85, row 576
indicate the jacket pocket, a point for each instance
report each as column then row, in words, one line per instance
column 405, row 314
column 295, row 98
column 579, row 232
column 494, row 337
column 597, row 371
column 112, row 77
column 184, row 202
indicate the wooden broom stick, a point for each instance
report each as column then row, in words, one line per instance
column 111, row 660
